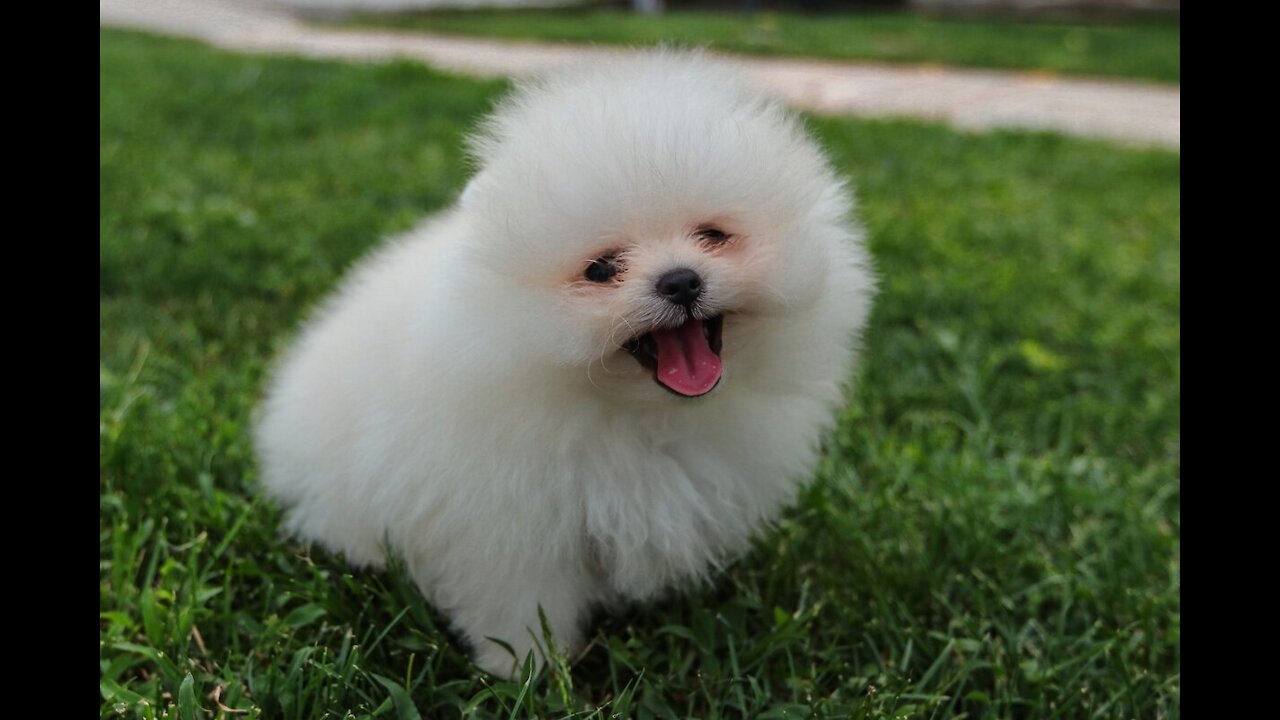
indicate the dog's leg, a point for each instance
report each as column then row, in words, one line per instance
column 505, row 605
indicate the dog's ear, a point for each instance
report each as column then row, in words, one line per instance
column 467, row 198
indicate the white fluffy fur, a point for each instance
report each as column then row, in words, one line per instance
column 463, row 395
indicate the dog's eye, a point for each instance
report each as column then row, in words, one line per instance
column 715, row 236
column 602, row 269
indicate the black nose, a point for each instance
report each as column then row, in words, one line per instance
column 681, row 286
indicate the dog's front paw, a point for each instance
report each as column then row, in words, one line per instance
column 505, row 662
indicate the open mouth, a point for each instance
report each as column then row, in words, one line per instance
column 684, row 359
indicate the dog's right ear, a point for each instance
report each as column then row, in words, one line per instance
column 467, row 198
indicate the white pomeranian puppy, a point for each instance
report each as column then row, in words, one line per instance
column 599, row 373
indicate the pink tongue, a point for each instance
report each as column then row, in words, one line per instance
column 685, row 361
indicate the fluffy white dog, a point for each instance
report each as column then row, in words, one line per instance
column 599, row 373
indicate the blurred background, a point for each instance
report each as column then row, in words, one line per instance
column 1039, row 7
column 1127, row 38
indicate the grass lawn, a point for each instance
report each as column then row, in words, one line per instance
column 994, row 529
column 1147, row 49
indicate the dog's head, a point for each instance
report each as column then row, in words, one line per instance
column 651, row 218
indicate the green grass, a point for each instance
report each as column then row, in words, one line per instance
column 1147, row 49
column 994, row 529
